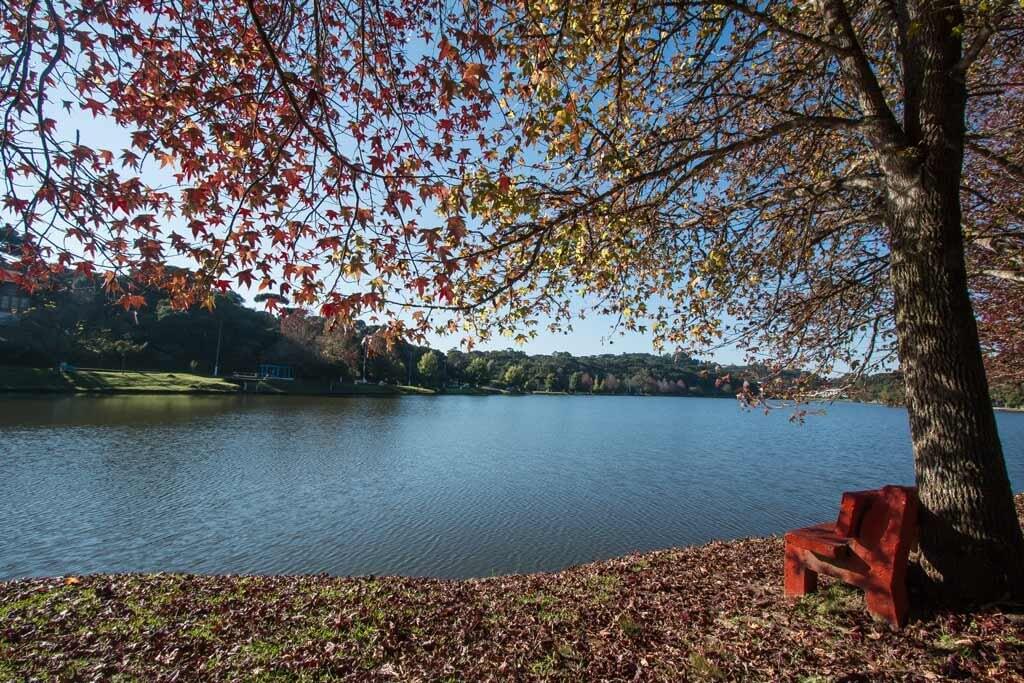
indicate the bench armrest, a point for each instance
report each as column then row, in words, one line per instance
column 851, row 510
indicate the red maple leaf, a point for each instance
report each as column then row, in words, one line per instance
column 244, row 277
column 474, row 74
column 94, row 106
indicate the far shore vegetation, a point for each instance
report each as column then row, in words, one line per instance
column 76, row 326
column 162, row 350
column 884, row 388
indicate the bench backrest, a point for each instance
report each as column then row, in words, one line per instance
column 884, row 520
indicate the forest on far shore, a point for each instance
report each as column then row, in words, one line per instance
column 76, row 324
column 887, row 388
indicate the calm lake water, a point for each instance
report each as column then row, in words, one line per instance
column 443, row 486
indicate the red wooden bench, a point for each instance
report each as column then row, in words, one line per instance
column 867, row 547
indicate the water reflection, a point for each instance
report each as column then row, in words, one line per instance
column 88, row 411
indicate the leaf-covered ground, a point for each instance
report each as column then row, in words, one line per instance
column 714, row 612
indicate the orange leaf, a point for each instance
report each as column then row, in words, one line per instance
column 447, row 51
column 456, row 228
column 94, row 106
column 474, row 73
column 130, row 301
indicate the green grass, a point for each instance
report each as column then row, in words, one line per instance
column 406, row 389
column 310, row 387
column 703, row 669
column 47, row 380
column 44, row 380
column 603, row 587
column 825, row 606
column 8, row 672
column 25, row 603
column 476, row 391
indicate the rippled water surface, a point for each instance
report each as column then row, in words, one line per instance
column 443, row 486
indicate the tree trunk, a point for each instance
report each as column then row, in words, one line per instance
column 972, row 548
column 971, row 541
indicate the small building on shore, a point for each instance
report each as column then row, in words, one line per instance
column 274, row 371
column 13, row 298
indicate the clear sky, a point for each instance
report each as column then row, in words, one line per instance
column 590, row 336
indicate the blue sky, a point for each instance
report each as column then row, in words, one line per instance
column 590, row 336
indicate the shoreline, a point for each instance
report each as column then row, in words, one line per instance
column 21, row 381
column 660, row 616
column 711, row 612
column 95, row 382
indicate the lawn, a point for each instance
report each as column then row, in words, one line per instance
column 47, row 380
column 478, row 391
column 302, row 387
column 709, row 613
column 44, row 380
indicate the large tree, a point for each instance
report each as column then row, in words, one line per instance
column 798, row 169
column 790, row 178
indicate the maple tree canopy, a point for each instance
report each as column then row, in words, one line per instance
column 710, row 171
column 681, row 167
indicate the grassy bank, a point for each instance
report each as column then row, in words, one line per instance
column 303, row 387
column 710, row 613
column 477, row 391
column 47, row 380
column 44, row 380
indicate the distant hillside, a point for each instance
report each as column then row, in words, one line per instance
column 888, row 388
column 77, row 324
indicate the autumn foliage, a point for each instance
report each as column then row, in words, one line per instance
column 282, row 147
column 489, row 165
column 994, row 193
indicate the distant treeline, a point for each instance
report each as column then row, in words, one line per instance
column 888, row 388
column 78, row 325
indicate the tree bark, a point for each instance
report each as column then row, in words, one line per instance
column 972, row 548
column 971, row 541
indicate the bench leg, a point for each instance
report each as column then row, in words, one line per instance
column 799, row 579
column 888, row 602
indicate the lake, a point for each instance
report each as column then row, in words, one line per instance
column 438, row 486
